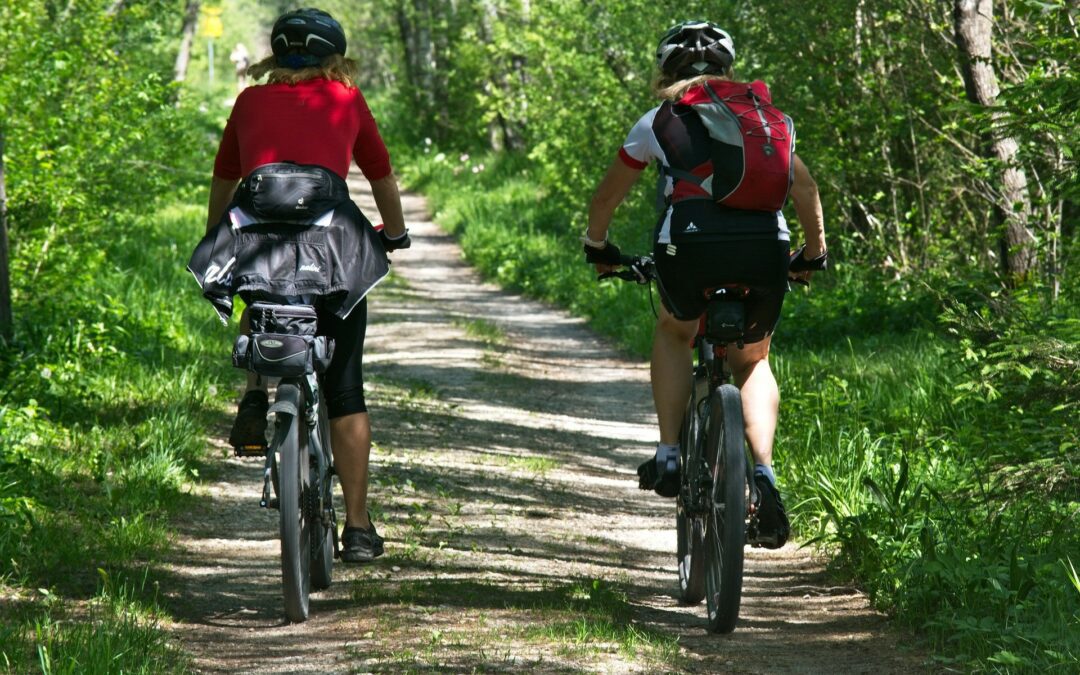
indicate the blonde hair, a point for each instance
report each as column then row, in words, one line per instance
column 334, row 67
column 671, row 88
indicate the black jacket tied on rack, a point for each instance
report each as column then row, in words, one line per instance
column 290, row 230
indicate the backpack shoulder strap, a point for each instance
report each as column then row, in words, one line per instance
column 680, row 174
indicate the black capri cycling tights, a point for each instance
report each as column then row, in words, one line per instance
column 343, row 382
column 762, row 265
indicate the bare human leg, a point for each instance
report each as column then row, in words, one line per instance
column 670, row 372
column 350, row 437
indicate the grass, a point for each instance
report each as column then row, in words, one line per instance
column 482, row 330
column 536, row 465
column 119, row 633
column 105, row 399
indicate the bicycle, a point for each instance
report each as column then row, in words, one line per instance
column 298, row 468
column 713, row 518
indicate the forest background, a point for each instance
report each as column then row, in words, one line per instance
column 931, row 379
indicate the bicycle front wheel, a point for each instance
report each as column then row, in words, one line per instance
column 725, row 528
column 294, row 476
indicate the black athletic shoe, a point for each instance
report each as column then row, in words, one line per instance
column 660, row 473
column 361, row 545
column 773, row 527
column 249, row 429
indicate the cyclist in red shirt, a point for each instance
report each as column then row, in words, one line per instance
column 311, row 112
column 701, row 244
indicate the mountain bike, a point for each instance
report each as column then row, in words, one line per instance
column 714, row 514
column 298, row 475
column 713, row 518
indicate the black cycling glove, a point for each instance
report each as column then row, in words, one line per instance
column 609, row 255
column 393, row 244
column 800, row 264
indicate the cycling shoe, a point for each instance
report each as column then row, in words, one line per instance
column 661, row 473
column 360, row 544
column 773, row 527
column 249, row 429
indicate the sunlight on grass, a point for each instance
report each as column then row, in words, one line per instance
column 510, row 623
column 483, row 330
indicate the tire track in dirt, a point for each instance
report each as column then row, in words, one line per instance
column 507, row 438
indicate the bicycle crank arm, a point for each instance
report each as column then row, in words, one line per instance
column 267, row 502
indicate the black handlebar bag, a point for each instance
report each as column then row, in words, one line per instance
column 286, row 192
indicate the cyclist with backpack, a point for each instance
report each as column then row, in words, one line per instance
column 727, row 163
column 311, row 120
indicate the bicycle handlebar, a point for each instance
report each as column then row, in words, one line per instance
column 639, row 269
column 642, row 270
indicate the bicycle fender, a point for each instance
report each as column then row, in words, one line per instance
column 287, row 400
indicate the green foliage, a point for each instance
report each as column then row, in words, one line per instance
column 109, row 397
column 107, row 383
column 943, row 474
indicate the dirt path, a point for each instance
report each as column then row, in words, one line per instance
column 503, row 479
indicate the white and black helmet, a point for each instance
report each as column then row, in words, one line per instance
column 307, row 31
column 695, row 48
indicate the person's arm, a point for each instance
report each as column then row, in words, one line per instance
column 804, row 194
column 388, row 200
column 221, row 193
column 609, row 194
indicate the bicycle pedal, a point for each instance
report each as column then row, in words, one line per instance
column 752, row 537
column 249, row 450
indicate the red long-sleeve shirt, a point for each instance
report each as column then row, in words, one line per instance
column 313, row 122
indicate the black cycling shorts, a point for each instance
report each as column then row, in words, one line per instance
column 761, row 265
column 343, row 382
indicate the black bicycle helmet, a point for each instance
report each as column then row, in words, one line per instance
column 695, row 48
column 306, row 32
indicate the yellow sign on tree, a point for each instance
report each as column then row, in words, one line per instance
column 212, row 27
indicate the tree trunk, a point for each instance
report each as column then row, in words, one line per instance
column 973, row 25
column 187, row 37
column 5, row 276
column 414, row 26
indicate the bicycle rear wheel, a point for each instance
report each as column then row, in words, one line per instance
column 725, row 527
column 294, row 475
column 689, row 527
column 322, row 515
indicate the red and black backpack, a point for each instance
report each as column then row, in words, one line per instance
column 750, row 165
